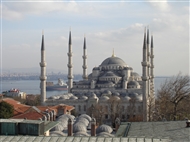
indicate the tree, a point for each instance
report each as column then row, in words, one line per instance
column 172, row 98
column 6, row 110
column 97, row 111
column 114, row 109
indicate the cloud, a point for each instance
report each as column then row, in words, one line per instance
column 160, row 5
column 18, row 10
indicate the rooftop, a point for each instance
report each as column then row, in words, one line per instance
column 76, row 139
column 174, row 130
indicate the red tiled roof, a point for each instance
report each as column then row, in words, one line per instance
column 18, row 107
column 29, row 115
column 22, row 111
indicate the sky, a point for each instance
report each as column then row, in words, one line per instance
column 107, row 25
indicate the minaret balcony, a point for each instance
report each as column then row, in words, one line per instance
column 42, row 78
column 43, row 64
column 69, row 65
column 84, row 66
column 70, row 76
column 84, row 56
column 70, row 54
column 144, row 63
column 145, row 78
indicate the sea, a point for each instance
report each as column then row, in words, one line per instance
column 33, row 86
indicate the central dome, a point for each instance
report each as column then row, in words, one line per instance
column 113, row 61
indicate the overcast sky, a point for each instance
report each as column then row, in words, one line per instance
column 117, row 25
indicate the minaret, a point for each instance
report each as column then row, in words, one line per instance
column 70, row 66
column 43, row 73
column 145, row 79
column 85, row 77
column 152, row 67
column 148, row 66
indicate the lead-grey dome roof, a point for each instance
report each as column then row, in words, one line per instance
column 133, row 83
column 104, row 128
column 113, row 61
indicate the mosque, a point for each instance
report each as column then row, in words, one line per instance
column 113, row 80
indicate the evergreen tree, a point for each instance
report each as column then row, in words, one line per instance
column 6, row 110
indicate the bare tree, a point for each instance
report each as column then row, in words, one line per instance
column 172, row 96
column 97, row 111
column 114, row 109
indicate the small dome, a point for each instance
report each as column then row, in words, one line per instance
column 133, row 95
column 79, row 127
column 64, row 97
column 126, row 98
column 133, row 83
column 93, row 96
column 116, row 98
column 104, row 98
column 104, row 128
column 116, row 94
column 82, row 120
column 86, row 116
column 72, row 117
column 83, row 98
column 73, row 98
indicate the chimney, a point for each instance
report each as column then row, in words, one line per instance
column 117, row 124
column 70, row 127
column 188, row 123
column 51, row 116
column 93, row 127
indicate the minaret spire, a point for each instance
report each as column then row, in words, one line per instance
column 70, row 65
column 43, row 73
column 148, row 65
column 85, row 77
column 152, row 65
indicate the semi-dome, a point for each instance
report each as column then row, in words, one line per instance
column 113, row 61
